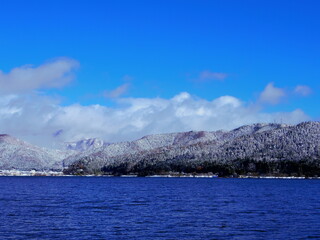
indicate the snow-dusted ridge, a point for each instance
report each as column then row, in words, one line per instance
column 184, row 150
column 258, row 148
column 85, row 144
column 20, row 155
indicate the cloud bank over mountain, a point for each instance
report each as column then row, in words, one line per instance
column 43, row 120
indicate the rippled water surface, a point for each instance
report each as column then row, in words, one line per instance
column 158, row 208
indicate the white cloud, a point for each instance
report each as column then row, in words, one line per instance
column 208, row 76
column 271, row 94
column 26, row 78
column 302, row 90
column 119, row 91
column 43, row 121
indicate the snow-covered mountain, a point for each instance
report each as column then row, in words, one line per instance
column 186, row 151
column 182, row 139
column 16, row 154
column 85, row 144
column 265, row 148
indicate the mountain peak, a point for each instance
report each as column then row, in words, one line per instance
column 85, row 144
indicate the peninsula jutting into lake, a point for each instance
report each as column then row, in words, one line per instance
column 251, row 150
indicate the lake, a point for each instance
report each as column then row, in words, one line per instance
column 158, row 208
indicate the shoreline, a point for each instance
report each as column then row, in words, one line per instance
column 33, row 173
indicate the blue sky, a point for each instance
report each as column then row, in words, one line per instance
column 265, row 54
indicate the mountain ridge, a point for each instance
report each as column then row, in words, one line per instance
column 270, row 144
column 226, row 152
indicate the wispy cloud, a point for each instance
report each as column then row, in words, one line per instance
column 127, row 78
column 207, row 75
column 302, row 90
column 119, row 91
column 53, row 74
column 271, row 94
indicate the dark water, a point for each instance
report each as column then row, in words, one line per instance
column 158, row 208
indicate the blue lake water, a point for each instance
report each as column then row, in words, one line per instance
column 158, row 208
